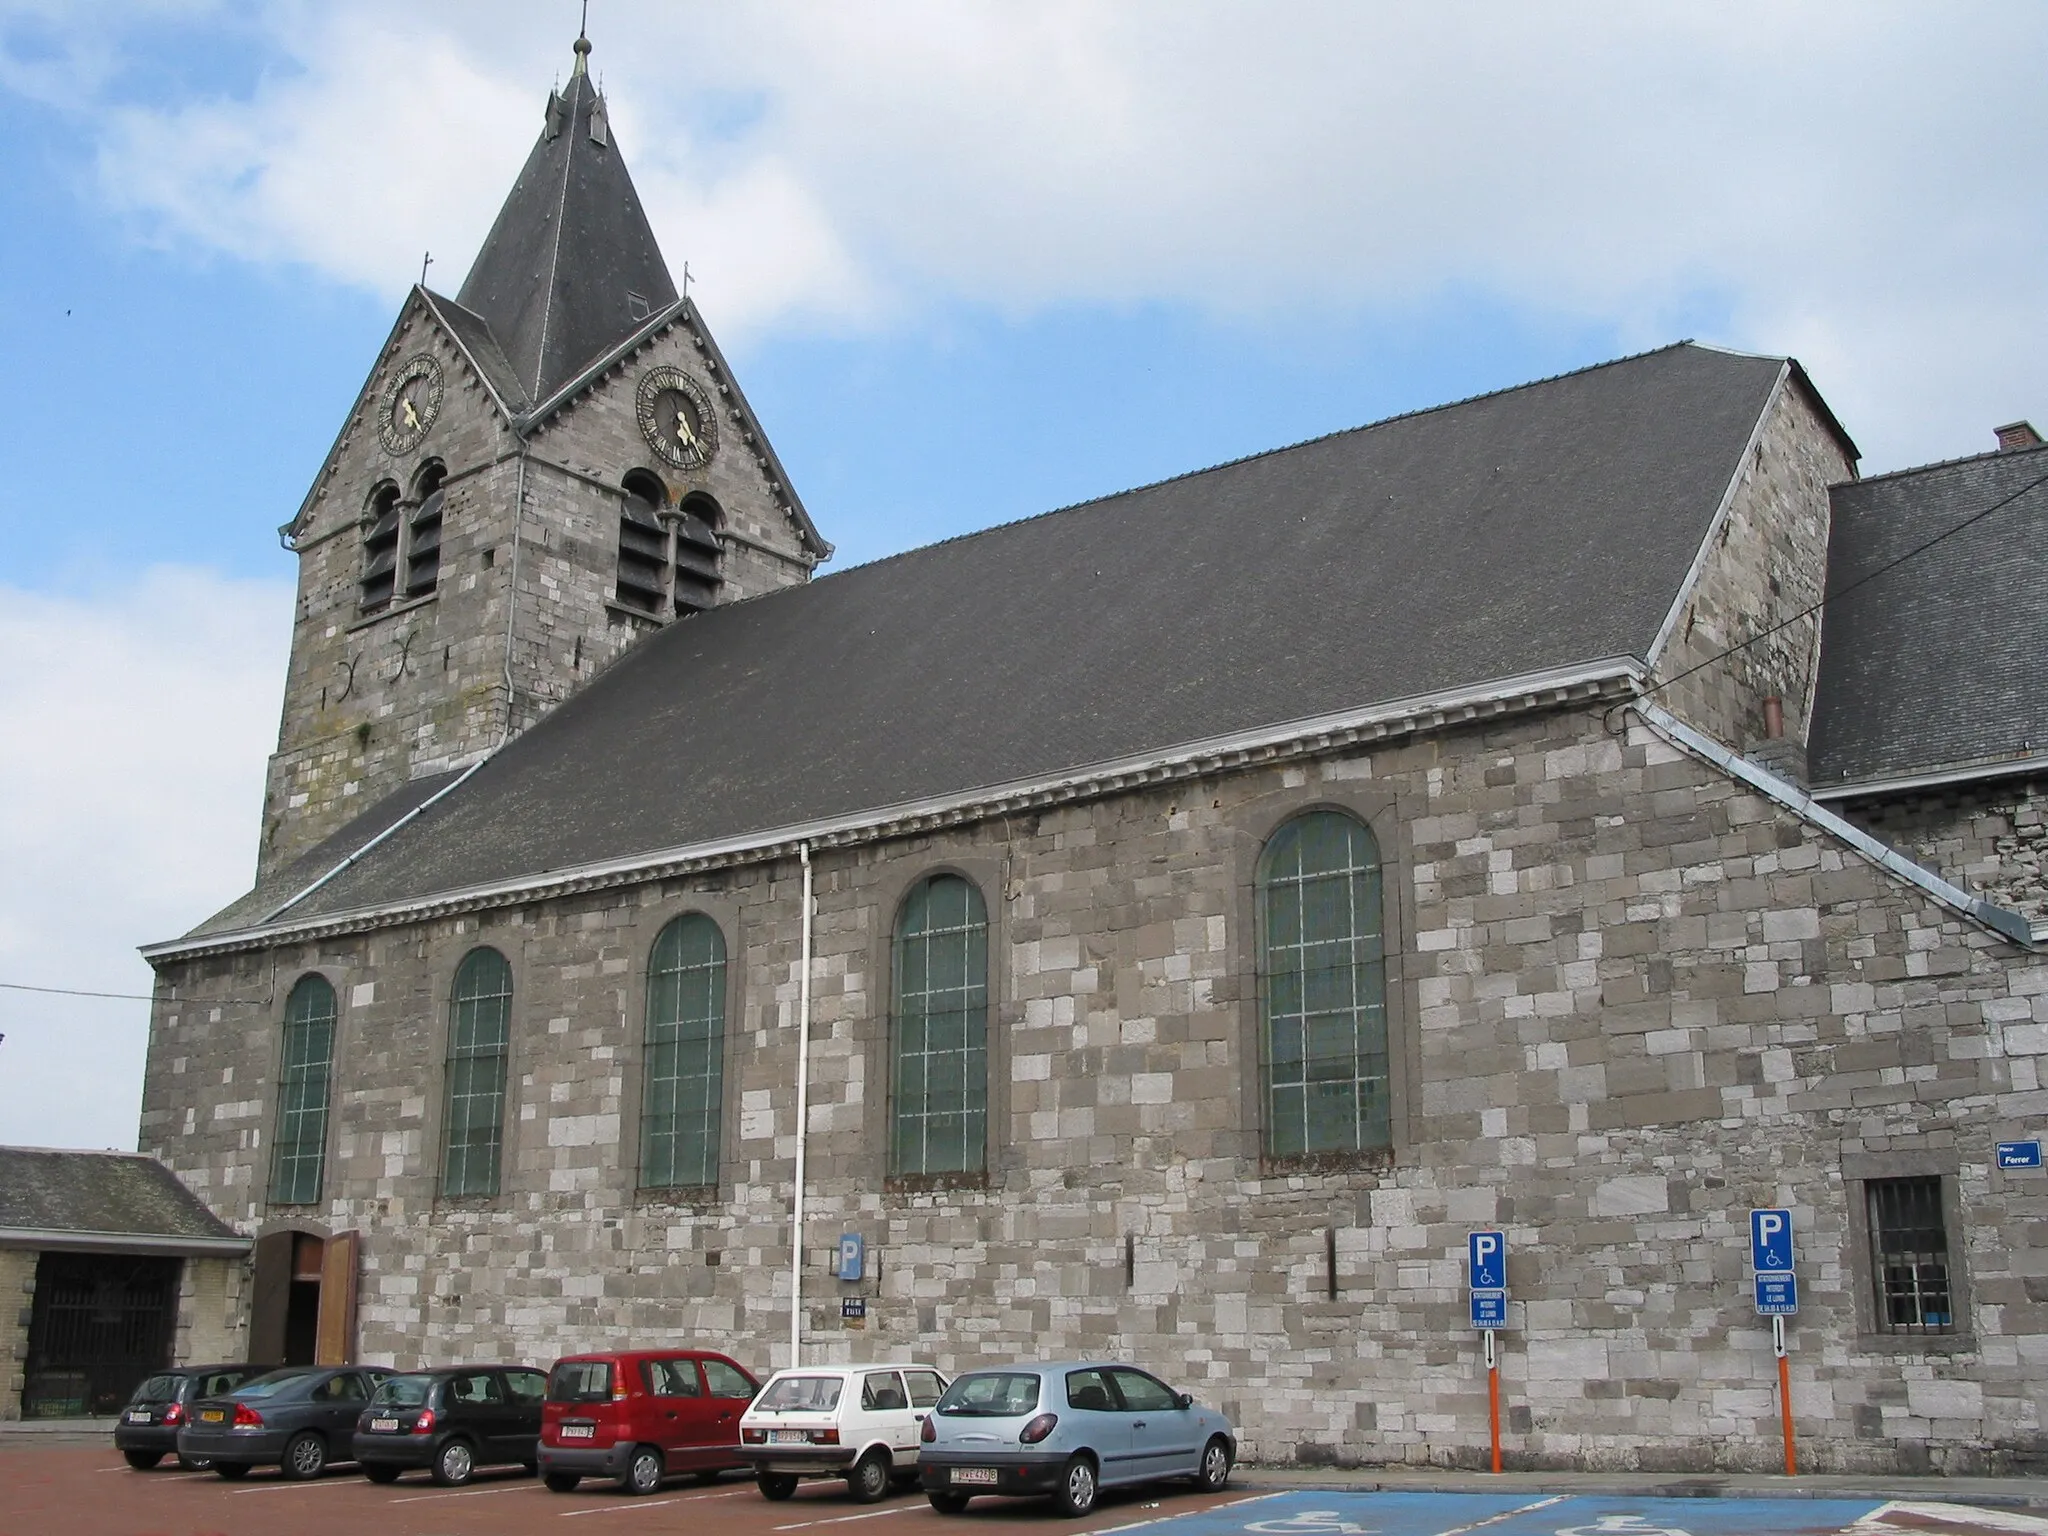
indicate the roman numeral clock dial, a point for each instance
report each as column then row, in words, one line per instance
column 411, row 402
column 676, row 418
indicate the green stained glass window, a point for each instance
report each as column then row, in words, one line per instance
column 1322, row 989
column 304, row 1081
column 684, row 1055
column 479, row 1041
column 939, row 1036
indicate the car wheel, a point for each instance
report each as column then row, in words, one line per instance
column 194, row 1463
column 1215, row 1472
column 643, row 1472
column 775, row 1486
column 142, row 1461
column 869, row 1479
column 562, row 1482
column 455, row 1463
column 946, row 1503
column 380, row 1472
column 1077, row 1487
column 233, row 1471
column 305, row 1457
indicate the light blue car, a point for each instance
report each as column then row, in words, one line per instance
column 1067, row 1429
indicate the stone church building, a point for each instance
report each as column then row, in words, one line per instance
column 1163, row 928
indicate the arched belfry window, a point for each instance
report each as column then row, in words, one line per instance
column 380, row 547
column 668, row 556
column 938, row 1102
column 479, row 1043
column 304, row 1081
column 1322, row 989
column 684, row 1055
column 423, row 530
column 696, row 557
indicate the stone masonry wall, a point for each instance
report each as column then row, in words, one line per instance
column 1767, row 563
column 212, row 1314
column 17, row 1297
column 1991, row 838
column 1629, row 1000
column 372, row 701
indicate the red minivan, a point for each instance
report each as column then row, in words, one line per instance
column 641, row 1415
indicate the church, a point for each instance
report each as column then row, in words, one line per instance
column 1165, row 928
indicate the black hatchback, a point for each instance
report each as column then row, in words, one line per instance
column 299, row 1418
column 147, row 1430
column 451, row 1422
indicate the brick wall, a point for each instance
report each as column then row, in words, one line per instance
column 1990, row 837
column 17, row 1296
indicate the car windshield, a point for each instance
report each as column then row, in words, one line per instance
column 404, row 1391
column 581, row 1381
column 158, row 1389
column 271, row 1385
column 814, row 1394
column 992, row 1395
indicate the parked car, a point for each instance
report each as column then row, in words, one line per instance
column 859, row 1422
column 1068, row 1430
column 643, row 1415
column 148, row 1428
column 299, row 1418
column 451, row 1422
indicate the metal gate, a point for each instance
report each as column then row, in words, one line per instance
column 101, row 1322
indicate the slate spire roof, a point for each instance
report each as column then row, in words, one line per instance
column 571, row 267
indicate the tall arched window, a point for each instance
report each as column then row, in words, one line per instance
column 479, row 1041
column 939, row 1036
column 306, row 1069
column 1322, row 989
column 685, row 1065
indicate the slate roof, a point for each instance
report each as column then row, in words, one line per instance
column 1542, row 527
column 99, row 1194
column 1942, row 663
column 557, row 278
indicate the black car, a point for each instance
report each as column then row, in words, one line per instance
column 147, row 1431
column 298, row 1418
column 451, row 1422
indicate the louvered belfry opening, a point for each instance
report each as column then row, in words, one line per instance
column 380, row 548
column 1909, row 1256
column 696, row 557
column 423, row 532
column 643, row 547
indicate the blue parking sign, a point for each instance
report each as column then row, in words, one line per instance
column 1487, row 1256
column 1770, row 1242
column 1490, row 1309
column 1777, row 1295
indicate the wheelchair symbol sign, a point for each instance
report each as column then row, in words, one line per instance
column 1622, row 1525
column 1770, row 1241
column 1311, row 1522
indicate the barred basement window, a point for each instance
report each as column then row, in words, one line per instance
column 1322, row 989
column 1909, row 1256
column 685, row 1067
column 939, row 1039
column 643, row 546
column 479, row 1042
column 380, row 547
column 303, row 1080
column 423, row 532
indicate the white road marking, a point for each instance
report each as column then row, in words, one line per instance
column 287, row 1485
column 1460, row 1530
column 467, row 1493
column 1961, row 1516
column 620, row 1509
column 1111, row 1530
column 802, row 1525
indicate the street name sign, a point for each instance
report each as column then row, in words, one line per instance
column 2019, row 1154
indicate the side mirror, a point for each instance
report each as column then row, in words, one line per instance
column 1187, row 1400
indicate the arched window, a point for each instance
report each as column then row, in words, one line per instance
column 423, row 530
column 380, row 547
column 1322, row 989
column 643, row 545
column 939, row 1035
column 304, row 1074
column 685, row 1065
column 479, row 1040
column 697, row 548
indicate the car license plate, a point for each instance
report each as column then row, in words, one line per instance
column 212, row 1415
column 386, row 1424
column 578, row 1431
column 985, row 1475
column 139, row 1416
column 789, row 1437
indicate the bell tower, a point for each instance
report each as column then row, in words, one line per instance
column 536, row 475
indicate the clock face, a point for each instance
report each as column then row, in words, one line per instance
column 676, row 418
column 411, row 402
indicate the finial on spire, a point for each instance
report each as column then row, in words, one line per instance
column 582, row 44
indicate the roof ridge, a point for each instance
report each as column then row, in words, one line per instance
column 1267, row 453
column 1922, row 469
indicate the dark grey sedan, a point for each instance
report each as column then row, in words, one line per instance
column 298, row 1418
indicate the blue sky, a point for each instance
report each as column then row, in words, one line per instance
column 971, row 262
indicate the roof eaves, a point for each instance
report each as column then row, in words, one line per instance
column 1933, row 778
column 648, row 330
column 435, row 302
column 348, row 424
column 1618, row 676
column 1990, row 454
column 64, row 1239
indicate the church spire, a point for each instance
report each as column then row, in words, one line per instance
column 571, row 267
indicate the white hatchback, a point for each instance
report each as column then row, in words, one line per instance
column 859, row 1422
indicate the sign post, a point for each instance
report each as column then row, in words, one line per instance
column 1777, row 1297
column 1486, row 1255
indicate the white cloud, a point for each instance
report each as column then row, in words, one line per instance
column 138, row 721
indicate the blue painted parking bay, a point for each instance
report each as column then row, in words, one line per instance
column 1487, row 1514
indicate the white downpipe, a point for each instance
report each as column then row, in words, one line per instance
column 803, row 1118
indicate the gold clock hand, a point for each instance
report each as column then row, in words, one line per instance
column 412, row 417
